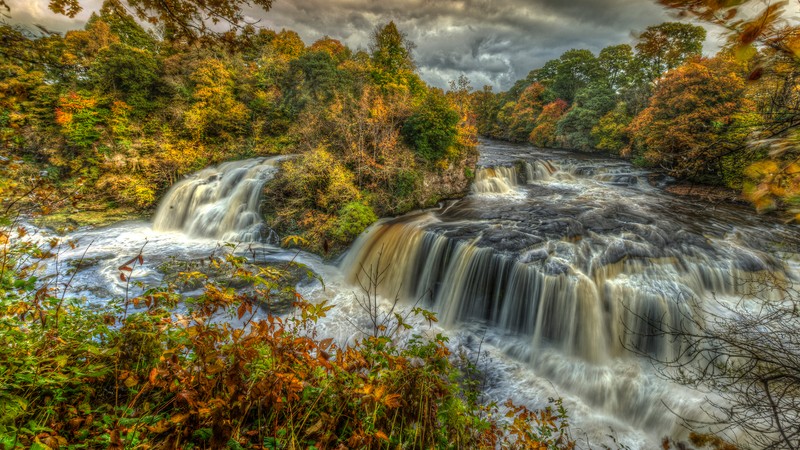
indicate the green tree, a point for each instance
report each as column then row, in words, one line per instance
column 129, row 72
column 617, row 65
column 664, row 47
column 570, row 73
column 432, row 128
column 591, row 103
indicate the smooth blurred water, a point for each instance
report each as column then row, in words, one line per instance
column 552, row 266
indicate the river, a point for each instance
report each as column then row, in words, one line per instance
column 547, row 274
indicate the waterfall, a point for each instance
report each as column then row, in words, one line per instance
column 539, row 170
column 552, row 302
column 220, row 202
column 495, row 180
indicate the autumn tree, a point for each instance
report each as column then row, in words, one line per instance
column 392, row 61
column 765, row 36
column 525, row 111
column 544, row 133
column 697, row 119
column 486, row 104
column 216, row 112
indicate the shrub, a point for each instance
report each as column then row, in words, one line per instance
column 353, row 219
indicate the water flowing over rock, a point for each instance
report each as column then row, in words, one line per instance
column 580, row 258
column 547, row 274
column 220, row 202
column 495, row 180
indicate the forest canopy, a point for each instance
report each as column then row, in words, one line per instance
column 118, row 113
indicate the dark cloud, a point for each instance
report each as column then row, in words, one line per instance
column 493, row 42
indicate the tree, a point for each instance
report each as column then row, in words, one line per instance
column 125, row 27
column 591, row 103
column 127, row 71
column 765, row 36
column 698, row 115
column 663, row 47
column 216, row 112
column 486, row 105
column 747, row 356
column 338, row 51
column 190, row 19
column 571, row 72
column 525, row 111
column 432, row 129
column 610, row 133
column 617, row 65
column 392, row 63
column 544, row 133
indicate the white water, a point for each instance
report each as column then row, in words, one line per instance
column 220, row 202
column 548, row 269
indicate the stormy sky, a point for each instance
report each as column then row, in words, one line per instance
column 492, row 42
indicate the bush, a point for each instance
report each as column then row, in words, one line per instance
column 133, row 374
column 353, row 219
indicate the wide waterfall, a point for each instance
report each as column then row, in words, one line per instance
column 574, row 271
column 554, row 275
column 219, row 202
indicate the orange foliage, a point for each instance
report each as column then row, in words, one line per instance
column 697, row 115
column 544, row 133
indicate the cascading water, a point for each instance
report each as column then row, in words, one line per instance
column 219, row 202
column 574, row 273
column 556, row 265
column 495, row 180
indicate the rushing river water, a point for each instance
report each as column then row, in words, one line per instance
column 553, row 266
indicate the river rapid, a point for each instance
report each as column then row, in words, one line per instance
column 547, row 274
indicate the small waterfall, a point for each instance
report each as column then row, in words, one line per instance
column 539, row 170
column 220, row 202
column 495, row 180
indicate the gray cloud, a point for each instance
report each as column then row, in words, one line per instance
column 492, row 42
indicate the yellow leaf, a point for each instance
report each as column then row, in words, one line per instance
column 745, row 52
column 131, row 381
column 179, row 418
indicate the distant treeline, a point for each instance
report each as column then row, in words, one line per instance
column 660, row 103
